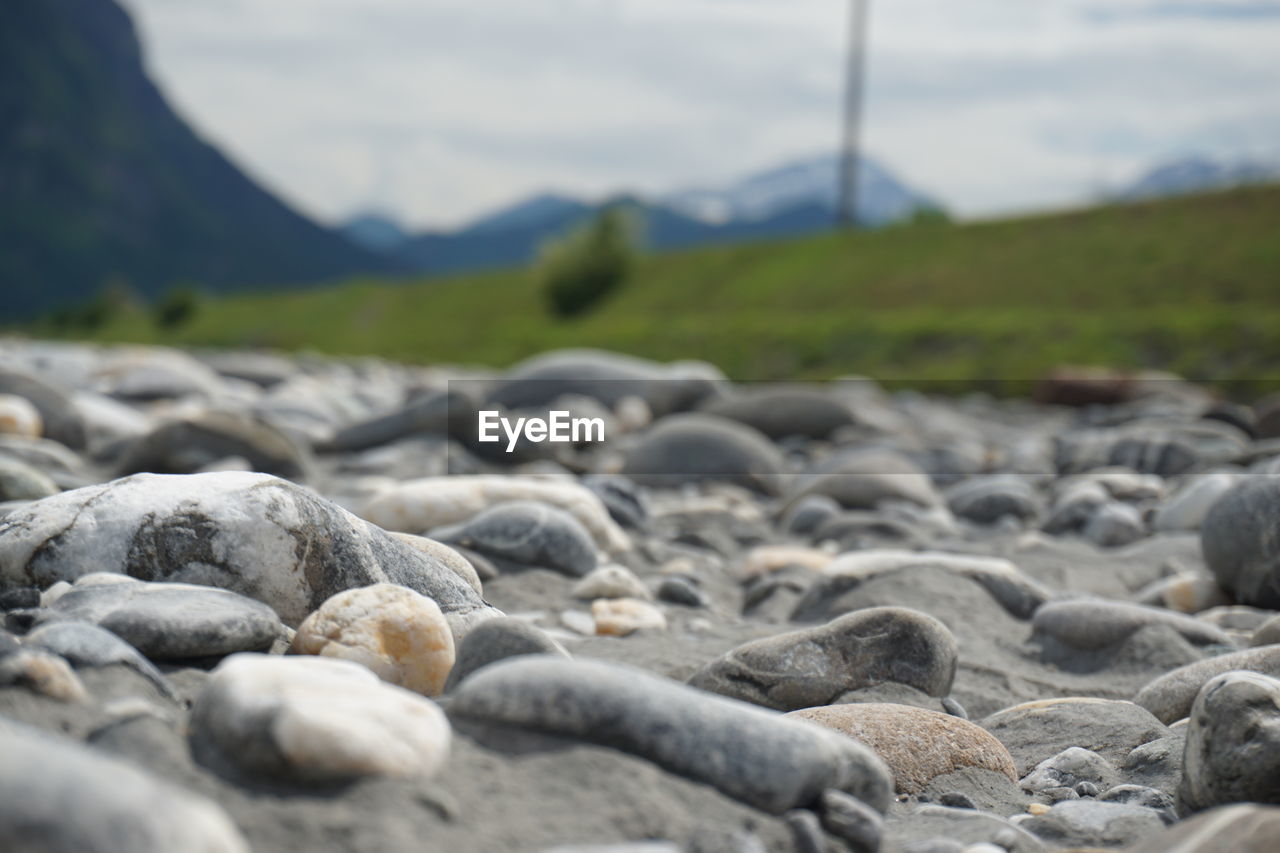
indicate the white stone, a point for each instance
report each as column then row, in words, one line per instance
column 1188, row 507
column 611, row 582
column 400, row 635
column 618, row 617
column 430, row 502
column 315, row 719
column 19, row 417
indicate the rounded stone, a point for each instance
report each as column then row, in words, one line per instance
column 187, row 445
column 987, row 499
column 400, row 635
column 1187, row 509
column 620, row 617
column 696, row 447
column 523, row 535
column 1241, row 541
column 862, row 479
column 1233, row 743
column 1245, row 828
column 780, row 411
column 309, row 719
column 918, row 745
column 1170, row 696
column 1034, row 731
column 495, row 640
column 813, row 666
column 755, row 756
column 1092, row 624
column 610, row 582
column 59, row 796
column 19, row 417
column 22, row 482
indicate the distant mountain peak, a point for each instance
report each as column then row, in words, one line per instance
column 1198, row 173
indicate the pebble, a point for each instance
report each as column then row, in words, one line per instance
column 765, row 559
column 1233, row 743
column 314, row 720
column 1092, row 624
column 918, row 745
column 398, row 634
column 693, row 448
column 987, row 499
column 418, row 505
column 747, row 753
column 85, row 645
column 682, row 590
column 498, row 639
column 619, row 617
column 1241, row 541
column 1069, row 769
column 19, row 417
column 59, row 417
column 852, row 821
column 813, row 666
column 169, row 621
column 522, row 535
column 611, row 581
column 1089, row 823
column 441, row 552
column 248, row 533
column 189, row 444
column 863, row 479
column 780, row 411
column 1188, row 508
column 1170, row 696
column 1115, row 524
column 22, row 482
column 59, row 796
column 44, row 672
column 1034, row 731
column 808, row 514
column 1246, row 828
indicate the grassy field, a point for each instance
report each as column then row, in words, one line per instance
column 1190, row 285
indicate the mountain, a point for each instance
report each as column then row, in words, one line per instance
column 101, row 181
column 375, row 232
column 1197, row 174
column 795, row 199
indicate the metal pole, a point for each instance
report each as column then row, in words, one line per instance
column 847, row 196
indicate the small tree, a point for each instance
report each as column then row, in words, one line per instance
column 115, row 299
column 577, row 271
column 177, row 307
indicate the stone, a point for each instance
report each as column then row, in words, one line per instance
column 852, row 821
column 1033, row 731
column 314, row 720
column 1140, row 795
column 59, row 796
column 397, row 633
column 1246, row 828
column 1233, row 743
column 1188, row 507
column 942, row 829
column 441, row 552
column 1241, row 541
column 1188, row 592
column 1090, row 823
column 44, row 672
column 498, row 639
column 808, row 514
column 19, row 598
column 1017, row 593
column 813, row 666
column 747, row 753
column 780, row 411
column 862, row 479
column 187, row 445
column 1070, row 768
column 693, row 448
column 59, row 418
column 1115, row 524
column 85, row 645
column 1266, row 634
column 251, row 534
column 918, row 745
column 1170, row 696
column 620, row 617
column 1075, row 505
column 419, row 505
column 765, row 559
column 625, row 502
column 523, row 535
column 1091, row 624
column 611, row 581
column 987, row 499
column 169, row 621
column 683, row 590
column 436, row 414
column 22, row 482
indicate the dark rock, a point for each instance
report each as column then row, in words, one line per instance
column 523, row 535
column 780, row 411
column 682, row 590
column 19, row 598
column 808, row 514
column 495, row 640
column 697, row 447
column 625, row 502
column 188, row 445
column 987, row 499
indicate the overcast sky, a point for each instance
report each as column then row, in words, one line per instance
column 438, row 110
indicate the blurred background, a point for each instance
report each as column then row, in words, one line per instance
column 1038, row 184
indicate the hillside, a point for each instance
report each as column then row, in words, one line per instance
column 1190, row 284
column 101, row 181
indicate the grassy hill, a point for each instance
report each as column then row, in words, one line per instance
column 1189, row 284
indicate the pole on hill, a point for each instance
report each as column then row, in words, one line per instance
column 851, row 123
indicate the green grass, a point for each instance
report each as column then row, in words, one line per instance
column 1190, row 285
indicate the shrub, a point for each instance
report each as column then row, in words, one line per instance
column 577, row 271
column 177, row 307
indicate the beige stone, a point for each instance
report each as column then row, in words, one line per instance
column 770, row 558
column 918, row 745
column 19, row 417
column 400, row 635
column 45, row 673
column 618, row 617
column 611, row 582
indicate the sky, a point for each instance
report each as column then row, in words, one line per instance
column 437, row 111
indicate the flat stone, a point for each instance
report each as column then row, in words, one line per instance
column 1091, row 624
column 1233, row 743
column 397, row 633
column 189, row 444
column 987, row 499
column 610, row 581
column 169, row 621
column 82, row 644
column 58, row 796
column 813, row 666
column 780, row 411
column 747, row 753
column 918, row 745
column 697, row 447
column 1088, row 823
column 620, row 617
column 1170, row 696
column 863, row 479
column 523, row 535
column 252, row 534
column 416, row 506
column 308, row 720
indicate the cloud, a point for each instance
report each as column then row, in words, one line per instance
column 441, row 109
